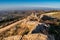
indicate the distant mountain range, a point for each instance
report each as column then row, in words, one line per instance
column 31, row 8
column 6, row 11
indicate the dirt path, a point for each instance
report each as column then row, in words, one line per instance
column 10, row 26
column 48, row 14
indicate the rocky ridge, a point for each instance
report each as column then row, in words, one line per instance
column 23, row 30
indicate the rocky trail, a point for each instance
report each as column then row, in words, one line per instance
column 32, row 28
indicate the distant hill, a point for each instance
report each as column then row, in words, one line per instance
column 54, row 14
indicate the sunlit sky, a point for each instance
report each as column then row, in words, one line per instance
column 9, row 4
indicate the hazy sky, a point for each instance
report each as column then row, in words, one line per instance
column 8, row 4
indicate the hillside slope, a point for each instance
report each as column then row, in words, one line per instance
column 33, row 24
